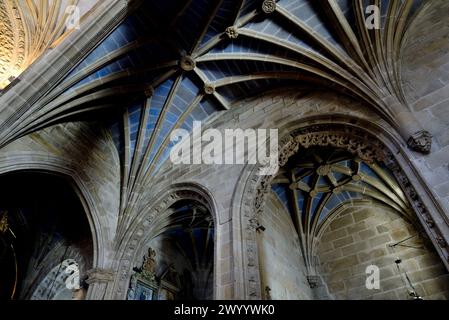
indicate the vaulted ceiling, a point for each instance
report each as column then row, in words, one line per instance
column 172, row 62
column 317, row 183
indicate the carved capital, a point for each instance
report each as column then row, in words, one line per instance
column 269, row 6
column 99, row 275
column 420, row 141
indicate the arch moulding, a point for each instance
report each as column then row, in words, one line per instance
column 362, row 138
column 140, row 230
column 45, row 163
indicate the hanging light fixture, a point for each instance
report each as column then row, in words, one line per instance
column 412, row 293
column 407, row 282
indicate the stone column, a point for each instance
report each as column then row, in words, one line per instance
column 98, row 280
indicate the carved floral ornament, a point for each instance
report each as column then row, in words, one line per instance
column 232, row 32
column 268, row 6
column 355, row 141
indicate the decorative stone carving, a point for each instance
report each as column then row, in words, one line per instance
column 187, row 63
column 353, row 141
column 269, row 6
column 151, row 212
column 26, row 31
column 253, row 223
column 232, row 32
column 420, row 141
column 3, row 222
column 366, row 147
column 251, row 256
column 289, row 146
column 12, row 52
column 149, row 92
column 313, row 280
column 209, row 88
column 148, row 268
column 259, row 201
column 99, row 275
column 430, row 222
column 416, row 201
column 441, row 242
column 149, row 262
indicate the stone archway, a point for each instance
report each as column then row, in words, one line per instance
column 178, row 256
column 354, row 139
column 45, row 163
column 143, row 228
column 45, row 222
column 61, row 283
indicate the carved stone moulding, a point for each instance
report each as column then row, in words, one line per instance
column 359, row 143
column 368, row 148
column 158, row 208
column 420, row 141
column 441, row 242
column 355, row 141
column 99, row 275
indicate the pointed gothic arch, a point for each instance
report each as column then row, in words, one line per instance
column 52, row 165
column 363, row 139
column 143, row 229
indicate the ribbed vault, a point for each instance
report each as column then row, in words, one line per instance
column 317, row 183
column 173, row 62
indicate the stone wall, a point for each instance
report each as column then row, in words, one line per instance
column 285, row 110
column 97, row 165
column 280, row 259
column 35, row 284
column 426, row 84
column 85, row 154
column 360, row 237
